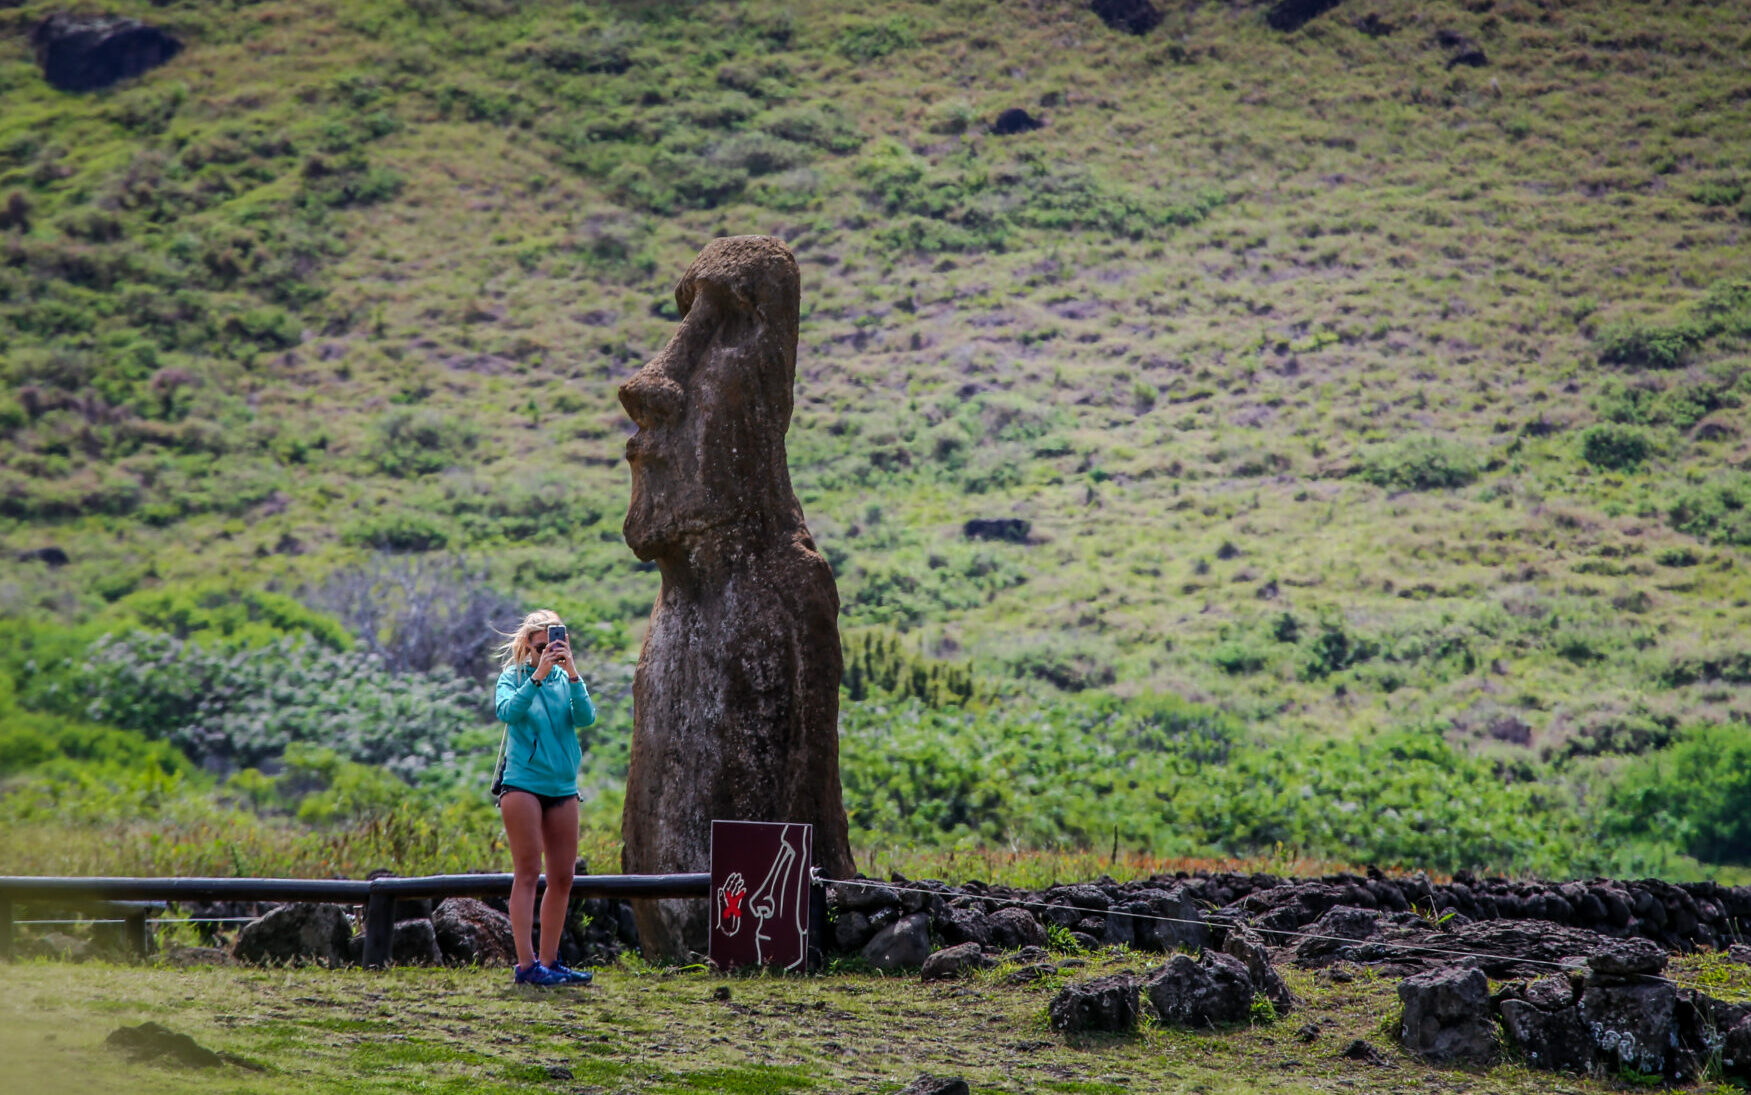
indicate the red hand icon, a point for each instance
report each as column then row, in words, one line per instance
column 733, row 904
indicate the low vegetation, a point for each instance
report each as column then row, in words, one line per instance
column 1373, row 425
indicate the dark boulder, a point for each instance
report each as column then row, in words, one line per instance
column 1288, row 15
column 1252, row 953
column 1374, row 26
column 851, row 930
column 1014, row 927
column 1014, row 120
column 1214, row 992
column 1012, row 530
column 952, row 962
column 1543, row 1022
column 935, row 1085
column 863, row 896
column 1106, row 1004
column 1630, row 1022
column 1333, row 935
column 1736, row 1052
column 1130, row 16
column 904, row 944
column 1447, row 1017
column 297, row 933
column 1627, row 958
column 414, row 943
column 1170, row 920
column 963, row 926
column 88, row 52
column 50, row 556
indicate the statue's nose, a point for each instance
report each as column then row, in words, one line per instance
column 651, row 398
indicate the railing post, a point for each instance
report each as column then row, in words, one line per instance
column 379, row 927
column 5, row 928
column 136, row 930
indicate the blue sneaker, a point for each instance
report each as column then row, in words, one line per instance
column 537, row 974
column 574, row 977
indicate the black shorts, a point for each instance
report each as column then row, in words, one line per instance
column 548, row 802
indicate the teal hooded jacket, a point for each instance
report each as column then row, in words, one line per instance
column 541, row 741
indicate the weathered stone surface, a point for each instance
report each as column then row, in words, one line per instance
column 1736, row 1051
column 1130, row 16
column 1738, row 952
column 904, row 944
column 1333, row 933
column 1630, row 1023
column 1627, row 958
column 851, row 931
column 1171, row 920
column 470, row 931
column 736, row 695
column 53, row 944
column 1544, row 1023
column 1253, row 954
column 1012, row 928
column 1447, row 1017
column 300, row 932
column 1012, row 530
column 1107, row 1004
column 87, row 52
column 952, row 962
column 1287, row 15
column 963, row 926
column 1214, row 992
column 936, row 1085
column 1014, row 120
column 414, row 943
column 863, row 896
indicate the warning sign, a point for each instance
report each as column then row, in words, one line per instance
column 760, row 894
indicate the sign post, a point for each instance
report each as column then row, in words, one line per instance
column 761, row 912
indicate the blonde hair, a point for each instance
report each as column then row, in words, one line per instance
column 517, row 649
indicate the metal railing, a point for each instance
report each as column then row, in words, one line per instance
column 377, row 896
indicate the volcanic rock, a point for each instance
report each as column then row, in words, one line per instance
column 904, row 944
column 952, row 962
column 1214, row 992
column 1130, row 16
column 1288, row 15
column 1447, row 1017
column 296, row 933
column 88, row 52
column 736, row 696
column 1106, row 1004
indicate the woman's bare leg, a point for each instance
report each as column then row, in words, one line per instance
column 559, row 835
column 523, row 825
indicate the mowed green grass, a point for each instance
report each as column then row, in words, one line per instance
column 639, row 1030
column 1404, row 249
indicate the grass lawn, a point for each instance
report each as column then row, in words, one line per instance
column 644, row 1030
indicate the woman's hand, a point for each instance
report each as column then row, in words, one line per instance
column 550, row 657
column 565, row 661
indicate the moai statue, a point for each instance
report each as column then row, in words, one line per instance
column 736, row 697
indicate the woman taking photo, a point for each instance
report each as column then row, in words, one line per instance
column 543, row 703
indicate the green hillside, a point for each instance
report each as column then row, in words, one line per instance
column 1384, row 376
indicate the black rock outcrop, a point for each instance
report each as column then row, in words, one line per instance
column 88, row 52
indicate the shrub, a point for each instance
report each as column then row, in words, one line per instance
column 224, row 704
column 1421, row 463
column 419, row 615
column 1649, row 347
column 870, row 41
column 1238, row 658
column 1697, row 794
column 876, row 664
column 1717, row 511
column 399, row 531
column 418, row 441
column 822, row 125
column 1617, row 448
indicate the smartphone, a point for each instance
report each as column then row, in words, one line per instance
column 556, row 633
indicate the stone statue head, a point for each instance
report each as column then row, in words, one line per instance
column 708, row 460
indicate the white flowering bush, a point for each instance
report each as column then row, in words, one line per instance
column 230, row 706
